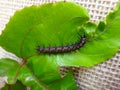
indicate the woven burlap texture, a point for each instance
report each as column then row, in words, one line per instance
column 105, row 76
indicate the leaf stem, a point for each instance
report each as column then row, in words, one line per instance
column 21, row 65
column 9, row 87
column 30, row 56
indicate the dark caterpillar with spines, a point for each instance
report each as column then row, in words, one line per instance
column 63, row 49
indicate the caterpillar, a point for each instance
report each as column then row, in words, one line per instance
column 63, row 49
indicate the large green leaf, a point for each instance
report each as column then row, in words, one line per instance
column 46, row 72
column 39, row 76
column 48, row 24
column 58, row 25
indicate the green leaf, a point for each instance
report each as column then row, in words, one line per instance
column 58, row 25
column 45, row 73
column 27, row 77
column 43, row 69
column 35, row 75
column 66, row 83
column 101, row 27
column 8, row 68
column 17, row 86
column 89, row 28
column 112, row 29
column 48, row 24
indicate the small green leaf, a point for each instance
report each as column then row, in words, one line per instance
column 101, row 27
column 89, row 28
